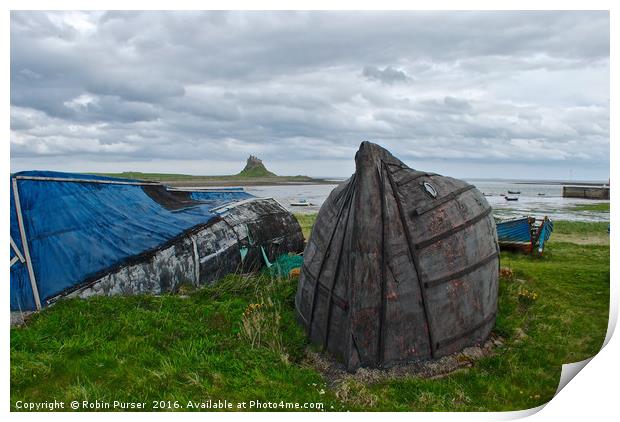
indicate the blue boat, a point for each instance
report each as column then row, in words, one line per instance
column 78, row 235
column 526, row 234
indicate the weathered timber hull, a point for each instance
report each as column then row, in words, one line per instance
column 401, row 265
column 206, row 254
column 80, row 235
column 524, row 234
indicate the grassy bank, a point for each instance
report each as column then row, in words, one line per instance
column 581, row 233
column 206, row 345
column 600, row 207
column 205, row 181
column 306, row 221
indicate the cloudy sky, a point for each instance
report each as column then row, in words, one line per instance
column 467, row 94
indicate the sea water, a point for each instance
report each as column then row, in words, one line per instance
column 535, row 199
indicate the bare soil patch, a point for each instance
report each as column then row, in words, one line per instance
column 581, row 239
column 336, row 375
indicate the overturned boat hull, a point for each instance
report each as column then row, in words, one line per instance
column 401, row 265
column 230, row 244
column 115, row 236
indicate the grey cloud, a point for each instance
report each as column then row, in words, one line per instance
column 457, row 103
column 111, row 109
column 164, row 87
column 132, row 87
column 387, row 75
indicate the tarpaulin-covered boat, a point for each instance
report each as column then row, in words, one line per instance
column 401, row 265
column 81, row 235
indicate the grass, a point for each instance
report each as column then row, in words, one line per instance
column 566, row 323
column 581, row 232
column 306, row 221
column 600, row 207
column 147, row 348
column 245, row 177
column 256, row 170
column 199, row 348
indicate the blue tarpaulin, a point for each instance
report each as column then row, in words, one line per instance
column 216, row 198
column 78, row 226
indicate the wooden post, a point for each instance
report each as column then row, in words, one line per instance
column 22, row 232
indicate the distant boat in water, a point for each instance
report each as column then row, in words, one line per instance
column 514, row 192
column 511, row 198
column 301, row 203
column 541, row 194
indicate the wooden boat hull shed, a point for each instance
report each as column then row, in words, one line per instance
column 401, row 265
column 78, row 235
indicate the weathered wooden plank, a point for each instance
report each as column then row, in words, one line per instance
column 24, row 237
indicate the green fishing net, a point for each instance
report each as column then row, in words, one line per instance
column 283, row 264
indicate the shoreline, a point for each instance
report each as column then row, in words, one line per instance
column 184, row 181
column 198, row 183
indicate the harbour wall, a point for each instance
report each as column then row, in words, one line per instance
column 586, row 192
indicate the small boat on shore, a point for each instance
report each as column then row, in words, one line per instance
column 526, row 234
column 511, row 198
column 514, row 192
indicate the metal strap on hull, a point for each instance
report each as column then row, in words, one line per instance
column 330, row 297
column 416, row 264
column 461, row 273
column 324, row 290
column 395, row 168
column 448, row 341
column 443, row 200
column 464, row 225
column 348, row 193
column 383, row 310
column 414, row 177
column 22, row 232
